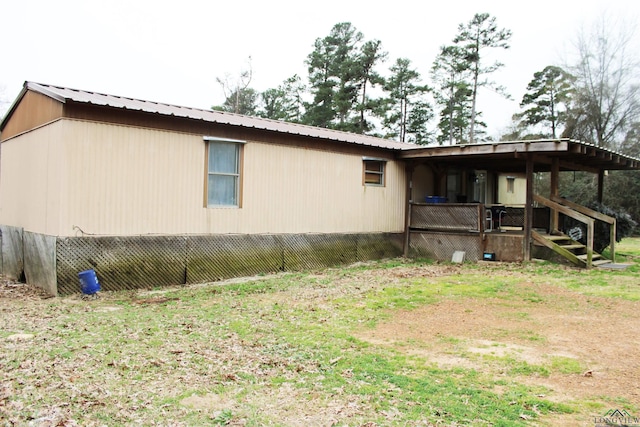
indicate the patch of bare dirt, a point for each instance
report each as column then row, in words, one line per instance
column 600, row 333
column 10, row 289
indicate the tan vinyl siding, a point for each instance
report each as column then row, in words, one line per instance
column 109, row 179
column 518, row 196
column 30, row 180
column 127, row 180
column 423, row 184
column 33, row 110
column 302, row 190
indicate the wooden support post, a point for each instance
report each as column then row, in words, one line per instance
column 612, row 227
column 590, row 235
column 612, row 240
column 409, row 200
column 555, row 184
column 600, row 185
column 481, row 225
column 528, row 210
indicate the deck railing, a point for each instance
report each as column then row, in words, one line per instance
column 473, row 217
column 584, row 215
column 597, row 216
column 458, row 217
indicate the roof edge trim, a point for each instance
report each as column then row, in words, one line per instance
column 36, row 87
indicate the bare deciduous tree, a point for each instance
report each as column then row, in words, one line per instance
column 237, row 93
column 607, row 101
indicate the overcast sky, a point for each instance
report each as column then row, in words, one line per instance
column 172, row 51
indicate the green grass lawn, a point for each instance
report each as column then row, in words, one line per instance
column 288, row 350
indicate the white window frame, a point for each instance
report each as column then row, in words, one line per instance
column 237, row 172
column 381, row 172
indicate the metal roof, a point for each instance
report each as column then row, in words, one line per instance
column 505, row 155
column 64, row 94
column 510, row 156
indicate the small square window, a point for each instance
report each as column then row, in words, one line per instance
column 373, row 171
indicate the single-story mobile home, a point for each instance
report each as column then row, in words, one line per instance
column 150, row 194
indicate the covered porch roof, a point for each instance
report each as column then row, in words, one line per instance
column 550, row 155
column 512, row 156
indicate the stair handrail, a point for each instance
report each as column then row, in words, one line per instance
column 585, row 219
column 595, row 215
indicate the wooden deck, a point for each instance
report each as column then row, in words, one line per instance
column 438, row 230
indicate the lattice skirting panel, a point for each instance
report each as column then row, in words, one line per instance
column 121, row 262
column 153, row 261
column 441, row 246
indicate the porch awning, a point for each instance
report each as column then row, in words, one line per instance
column 511, row 156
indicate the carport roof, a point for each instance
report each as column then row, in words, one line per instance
column 511, row 156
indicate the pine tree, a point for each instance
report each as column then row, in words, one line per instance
column 332, row 77
column 284, row 102
column 452, row 76
column 408, row 112
column 341, row 69
column 473, row 38
column 547, row 99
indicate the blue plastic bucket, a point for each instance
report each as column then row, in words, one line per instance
column 435, row 199
column 88, row 282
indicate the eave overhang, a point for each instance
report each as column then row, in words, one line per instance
column 511, row 156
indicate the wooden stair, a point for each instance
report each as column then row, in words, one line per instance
column 570, row 249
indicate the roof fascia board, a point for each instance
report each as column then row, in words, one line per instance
column 41, row 89
column 486, row 149
column 12, row 108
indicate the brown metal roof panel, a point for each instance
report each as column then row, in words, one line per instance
column 63, row 94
